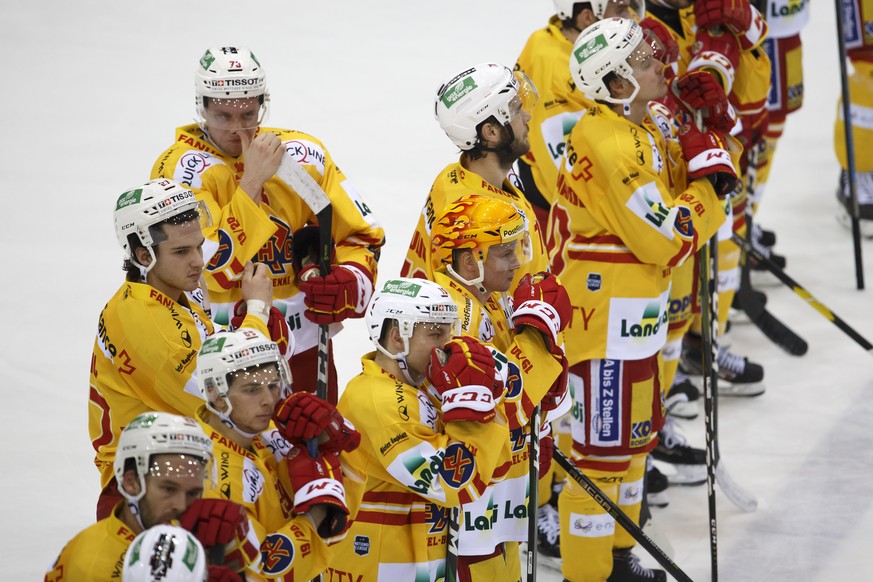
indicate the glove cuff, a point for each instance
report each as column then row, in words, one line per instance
column 541, row 315
column 754, row 34
column 717, row 63
column 365, row 286
column 472, row 397
column 715, row 159
column 316, row 490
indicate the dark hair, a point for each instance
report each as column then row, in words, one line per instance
column 578, row 7
column 478, row 151
column 387, row 326
column 158, row 236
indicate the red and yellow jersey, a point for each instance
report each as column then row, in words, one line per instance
column 95, row 554
column 622, row 221
column 257, row 479
column 454, row 182
column 143, row 359
column 214, row 177
column 417, row 468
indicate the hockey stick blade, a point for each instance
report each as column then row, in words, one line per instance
column 779, row 333
column 735, row 494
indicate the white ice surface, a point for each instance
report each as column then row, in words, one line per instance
column 91, row 93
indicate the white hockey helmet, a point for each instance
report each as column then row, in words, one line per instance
column 409, row 302
column 140, row 208
column 161, row 433
column 478, row 93
column 230, row 73
column 165, row 553
column 603, row 48
column 564, row 8
column 223, row 354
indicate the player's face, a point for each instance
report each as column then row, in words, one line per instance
column 172, row 485
column 622, row 9
column 227, row 119
column 253, row 393
column 649, row 73
column 179, row 260
column 500, row 266
column 425, row 338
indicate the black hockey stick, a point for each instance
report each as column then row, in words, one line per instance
column 850, row 146
column 752, row 303
column 619, row 516
column 533, row 494
column 804, row 294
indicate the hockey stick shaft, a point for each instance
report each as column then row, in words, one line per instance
column 804, row 294
column 850, row 145
column 619, row 516
column 533, row 497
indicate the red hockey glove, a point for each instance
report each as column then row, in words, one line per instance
column 547, row 449
column 718, row 53
column 344, row 293
column 714, row 13
column 558, row 391
column 667, row 49
column 707, row 157
column 542, row 303
column 698, row 90
column 215, row 522
column 465, row 376
column 303, row 416
column 319, row 481
column 222, row 574
column 276, row 324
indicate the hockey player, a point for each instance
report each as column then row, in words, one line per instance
column 230, row 162
column 478, row 244
column 171, row 554
column 293, row 499
column 485, row 111
column 162, row 466
column 620, row 224
column 430, row 434
column 859, row 45
column 149, row 332
column 544, row 60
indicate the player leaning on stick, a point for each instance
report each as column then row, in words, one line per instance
column 626, row 214
column 478, row 245
column 230, row 162
column 431, row 434
column 293, row 500
column 149, row 332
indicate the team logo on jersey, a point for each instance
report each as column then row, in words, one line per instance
column 458, row 465
column 514, row 383
column 683, row 222
column 362, row 545
column 276, row 253
column 435, row 516
column 518, row 438
column 224, row 252
column 277, row 554
column 594, row 281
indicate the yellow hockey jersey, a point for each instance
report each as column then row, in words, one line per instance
column 616, row 231
column 214, row 177
column 143, row 358
column 452, row 183
column 95, row 554
column 258, row 480
column 545, row 60
column 417, row 468
column 500, row 515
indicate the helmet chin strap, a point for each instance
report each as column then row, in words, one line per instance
column 404, row 367
column 477, row 282
column 133, row 505
column 225, row 419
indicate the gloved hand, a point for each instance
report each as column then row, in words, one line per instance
column 303, row 416
column 222, row 574
column 319, row 481
column 736, row 14
column 547, row 449
column 558, row 390
column 699, row 91
column 465, row 376
column 542, row 303
column 667, row 49
column 343, row 293
column 276, row 324
column 718, row 53
column 215, row 522
column 707, row 157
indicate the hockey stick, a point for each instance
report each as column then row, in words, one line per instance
column 311, row 193
column 805, row 295
column 533, row 494
column 776, row 331
column 618, row 515
column 850, row 146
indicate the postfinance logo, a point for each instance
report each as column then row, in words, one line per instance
column 651, row 322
